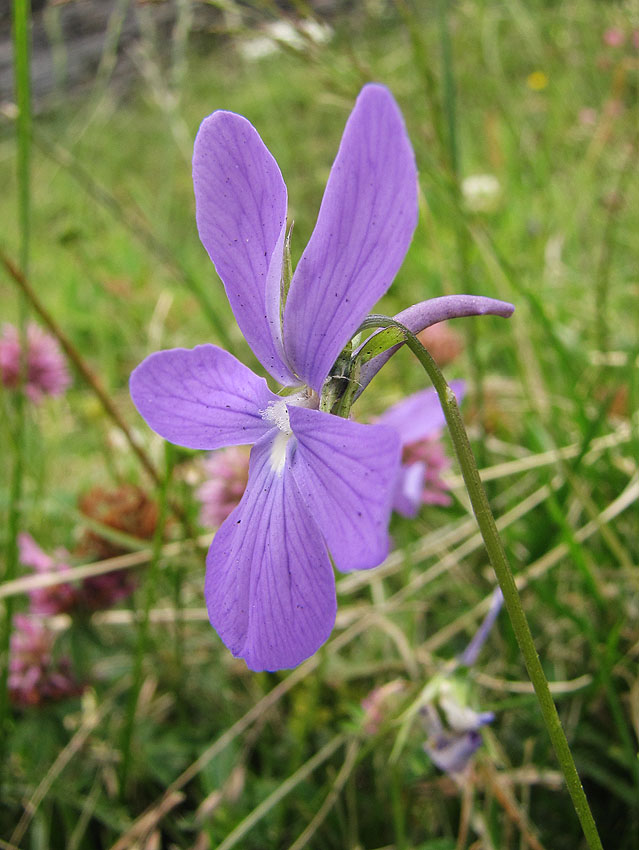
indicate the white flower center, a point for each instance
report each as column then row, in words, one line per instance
column 277, row 414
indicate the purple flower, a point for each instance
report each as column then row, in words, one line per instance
column 452, row 726
column 45, row 369
column 226, row 477
column 57, row 599
column 35, row 677
column 614, row 37
column 317, row 483
column 419, row 420
column 453, row 732
column 94, row 593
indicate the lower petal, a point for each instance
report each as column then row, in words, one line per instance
column 270, row 588
column 346, row 473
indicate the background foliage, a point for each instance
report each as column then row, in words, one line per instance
column 172, row 742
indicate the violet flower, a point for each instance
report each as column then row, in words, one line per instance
column 419, row 420
column 45, row 369
column 318, row 483
column 452, row 726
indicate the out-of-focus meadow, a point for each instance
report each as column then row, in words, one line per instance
column 126, row 723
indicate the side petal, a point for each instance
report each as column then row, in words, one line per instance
column 201, row 398
column 240, row 203
column 365, row 225
column 346, row 473
column 270, row 588
column 420, row 415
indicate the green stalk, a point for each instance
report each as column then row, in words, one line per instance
column 499, row 562
column 150, row 582
column 21, row 53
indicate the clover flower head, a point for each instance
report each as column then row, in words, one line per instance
column 93, row 593
column 58, row 598
column 443, row 343
column 45, row 369
column 419, row 420
column 614, row 37
column 318, row 483
column 226, row 473
column 35, row 677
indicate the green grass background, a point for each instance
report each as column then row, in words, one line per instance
column 115, row 257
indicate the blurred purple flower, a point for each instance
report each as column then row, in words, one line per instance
column 614, row 37
column 453, row 728
column 46, row 370
column 317, row 483
column 58, row 598
column 103, row 591
column 419, row 420
column 453, row 735
column 35, row 677
column 94, row 593
column 226, row 473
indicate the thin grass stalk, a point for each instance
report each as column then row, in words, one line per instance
column 350, row 761
column 281, row 791
column 462, row 236
column 21, row 64
column 501, row 566
column 143, row 626
column 607, row 249
column 136, row 224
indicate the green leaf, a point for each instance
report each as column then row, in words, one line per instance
column 380, row 342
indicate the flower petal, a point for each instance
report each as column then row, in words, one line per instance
column 419, row 415
column 201, row 398
column 346, row 474
column 365, row 225
column 240, row 200
column 407, row 498
column 270, row 588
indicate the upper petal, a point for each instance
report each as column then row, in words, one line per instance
column 365, row 224
column 346, row 473
column 240, row 201
column 201, row 398
column 419, row 415
column 270, row 588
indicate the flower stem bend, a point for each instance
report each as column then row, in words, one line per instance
column 501, row 566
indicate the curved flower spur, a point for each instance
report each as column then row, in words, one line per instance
column 318, row 483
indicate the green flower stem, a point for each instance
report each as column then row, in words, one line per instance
column 499, row 561
column 21, row 67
